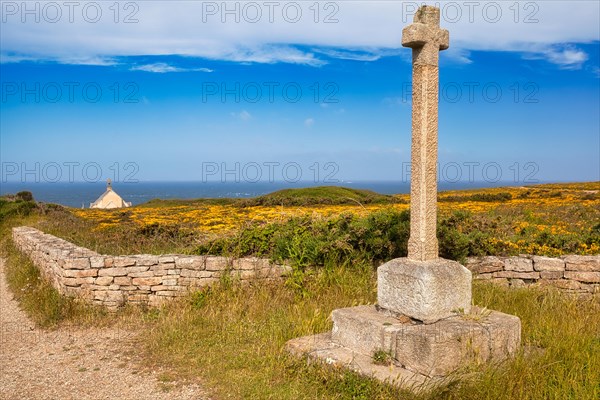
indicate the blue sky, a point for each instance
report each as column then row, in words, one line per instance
column 188, row 93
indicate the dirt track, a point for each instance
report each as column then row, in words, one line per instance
column 73, row 363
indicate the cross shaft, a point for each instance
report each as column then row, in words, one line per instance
column 426, row 39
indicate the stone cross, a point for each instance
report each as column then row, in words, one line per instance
column 426, row 39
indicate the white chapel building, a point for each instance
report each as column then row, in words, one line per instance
column 110, row 199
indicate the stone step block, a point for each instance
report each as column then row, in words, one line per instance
column 441, row 348
column 365, row 331
column 322, row 348
column 429, row 349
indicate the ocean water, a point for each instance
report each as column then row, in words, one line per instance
column 81, row 194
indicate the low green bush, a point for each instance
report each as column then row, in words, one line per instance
column 24, row 195
column 487, row 197
column 17, row 208
column 376, row 238
column 381, row 236
column 313, row 241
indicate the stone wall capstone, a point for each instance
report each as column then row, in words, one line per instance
column 113, row 281
column 574, row 274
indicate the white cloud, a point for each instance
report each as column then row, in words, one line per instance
column 243, row 115
column 270, row 54
column 364, row 31
column 356, row 54
column 309, row 122
column 162, row 68
column 6, row 58
column 102, row 61
column 568, row 58
column 565, row 56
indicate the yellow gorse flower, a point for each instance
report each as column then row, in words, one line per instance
column 569, row 210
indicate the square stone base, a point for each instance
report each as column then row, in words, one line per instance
column 424, row 290
column 321, row 348
column 419, row 353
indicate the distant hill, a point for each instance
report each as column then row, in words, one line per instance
column 326, row 195
column 320, row 195
column 158, row 203
column 332, row 195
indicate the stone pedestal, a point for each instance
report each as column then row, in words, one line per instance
column 424, row 290
column 424, row 322
column 420, row 354
column 429, row 349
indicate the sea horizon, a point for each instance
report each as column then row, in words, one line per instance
column 81, row 194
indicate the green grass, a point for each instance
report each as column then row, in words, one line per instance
column 236, row 335
column 45, row 305
column 39, row 299
column 564, row 336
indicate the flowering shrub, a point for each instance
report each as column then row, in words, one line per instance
column 544, row 219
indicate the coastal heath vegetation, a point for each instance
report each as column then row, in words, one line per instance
column 231, row 337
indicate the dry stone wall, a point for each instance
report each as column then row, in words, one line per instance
column 113, row 281
column 574, row 274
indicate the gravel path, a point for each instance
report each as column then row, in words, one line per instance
column 72, row 363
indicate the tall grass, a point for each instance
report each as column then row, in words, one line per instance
column 233, row 337
column 43, row 303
